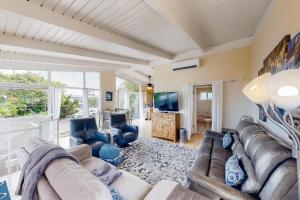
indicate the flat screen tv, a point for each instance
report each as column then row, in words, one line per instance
column 166, row 101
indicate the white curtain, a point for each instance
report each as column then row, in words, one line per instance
column 49, row 128
column 217, row 106
column 188, row 108
column 85, row 103
column 141, row 102
column 57, row 95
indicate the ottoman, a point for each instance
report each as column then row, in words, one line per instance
column 112, row 154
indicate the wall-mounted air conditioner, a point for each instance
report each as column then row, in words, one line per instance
column 186, row 64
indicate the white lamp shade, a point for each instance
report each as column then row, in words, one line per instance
column 284, row 89
column 257, row 90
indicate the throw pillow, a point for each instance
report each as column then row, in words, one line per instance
column 115, row 194
column 227, row 141
column 250, row 185
column 4, row 193
column 90, row 134
column 234, row 174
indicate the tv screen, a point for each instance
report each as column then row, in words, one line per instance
column 166, row 101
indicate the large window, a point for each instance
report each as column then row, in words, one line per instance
column 24, row 76
column 17, row 98
column 127, row 96
column 26, row 93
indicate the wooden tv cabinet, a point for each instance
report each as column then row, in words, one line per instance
column 165, row 125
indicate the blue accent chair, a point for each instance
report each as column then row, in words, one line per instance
column 85, row 131
column 122, row 133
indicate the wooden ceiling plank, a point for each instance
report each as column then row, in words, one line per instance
column 15, row 41
column 47, row 16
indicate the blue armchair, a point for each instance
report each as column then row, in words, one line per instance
column 84, row 131
column 123, row 133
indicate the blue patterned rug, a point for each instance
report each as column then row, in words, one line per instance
column 154, row 160
column 4, row 194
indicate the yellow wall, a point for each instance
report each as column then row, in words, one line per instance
column 283, row 18
column 108, row 83
column 233, row 64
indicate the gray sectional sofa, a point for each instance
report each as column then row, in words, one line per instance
column 271, row 169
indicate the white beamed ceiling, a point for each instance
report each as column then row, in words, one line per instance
column 201, row 24
column 219, row 21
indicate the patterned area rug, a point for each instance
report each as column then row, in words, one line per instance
column 153, row 160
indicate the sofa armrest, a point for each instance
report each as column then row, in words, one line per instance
column 161, row 190
column 75, row 140
column 104, row 137
column 117, row 135
column 217, row 187
column 22, row 156
column 81, row 152
column 214, row 135
column 131, row 128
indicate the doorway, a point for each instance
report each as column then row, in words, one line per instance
column 189, row 107
column 203, row 96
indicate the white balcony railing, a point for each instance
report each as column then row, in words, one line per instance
column 15, row 133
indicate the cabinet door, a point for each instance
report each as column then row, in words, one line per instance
column 155, row 127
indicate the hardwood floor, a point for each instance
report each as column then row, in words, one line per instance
column 145, row 131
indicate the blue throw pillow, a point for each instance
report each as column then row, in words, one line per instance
column 234, row 174
column 227, row 141
column 90, row 134
column 4, row 194
column 114, row 194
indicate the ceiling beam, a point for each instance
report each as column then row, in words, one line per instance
column 131, row 74
column 197, row 53
column 63, row 50
column 34, row 11
column 146, row 70
column 8, row 56
column 22, row 65
column 165, row 11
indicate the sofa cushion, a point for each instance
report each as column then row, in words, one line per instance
column 131, row 187
column 217, row 170
column 201, row 164
column 236, row 140
column 220, row 154
column 227, row 141
column 255, row 143
column 234, row 174
column 205, row 146
column 250, row 185
column 72, row 181
column 282, row 184
column 243, row 123
column 248, row 132
column 81, row 152
column 267, row 157
column 45, row 190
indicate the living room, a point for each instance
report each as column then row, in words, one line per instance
column 107, row 99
